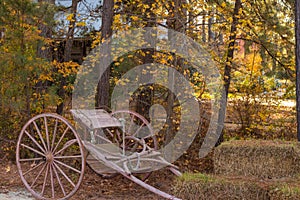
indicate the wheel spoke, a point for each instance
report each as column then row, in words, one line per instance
column 39, row 133
column 66, row 146
column 39, row 174
column 35, row 167
column 35, row 142
column 45, row 179
column 138, row 130
column 110, row 133
column 63, row 173
column 32, row 149
column 60, row 139
column 130, row 125
column 103, row 137
column 54, row 134
column 58, row 179
column 64, row 157
column 67, row 166
column 47, row 133
column 51, row 179
column 30, row 159
column 118, row 134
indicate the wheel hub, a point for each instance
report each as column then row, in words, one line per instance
column 49, row 157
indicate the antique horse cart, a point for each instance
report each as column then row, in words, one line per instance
column 51, row 153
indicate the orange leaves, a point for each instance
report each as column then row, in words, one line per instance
column 70, row 17
column 66, row 68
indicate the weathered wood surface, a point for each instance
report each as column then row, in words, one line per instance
column 95, row 119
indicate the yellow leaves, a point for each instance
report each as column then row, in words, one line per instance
column 6, row 49
column 116, row 6
column 278, row 53
column 240, row 11
column 44, row 77
column 122, row 82
column 70, row 17
column 163, row 61
column 7, row 168
column 96, row 39
column 170, row 57
column 145, row 6
column 144, row 71
column 81, row 24
column 134, row 18
column 117, row 17
column 66, row 68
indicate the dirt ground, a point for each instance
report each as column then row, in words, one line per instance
column 95, row 187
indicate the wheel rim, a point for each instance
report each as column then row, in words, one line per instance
column 139, row 135
column 136, row 128
column 50, row 157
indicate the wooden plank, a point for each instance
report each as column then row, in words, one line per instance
column 95, row 119
column 98, row 166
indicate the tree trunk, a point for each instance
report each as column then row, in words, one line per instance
column 210, row 32
column 230, row 51
column 102, row 96
column 47, row 52
column 67, row 56
column 297, row 35
column 203, row 27
column 46, row 32
column 227, row 70
column 178, row 24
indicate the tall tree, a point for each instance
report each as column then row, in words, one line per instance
column 67, row 54
column 46, row 31
column 102, row 96
column 230, row 49
column 297, row 36
column 177, row 21
column 228, row 65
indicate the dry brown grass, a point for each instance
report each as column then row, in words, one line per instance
column 212, row 187
column 200, row 186
column 260, row 158
column 249, row 169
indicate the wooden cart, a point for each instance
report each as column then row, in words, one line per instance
column 51, row 153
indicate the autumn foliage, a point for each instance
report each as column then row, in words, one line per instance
column 34, row 80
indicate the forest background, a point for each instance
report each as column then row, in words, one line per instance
column 252, row 42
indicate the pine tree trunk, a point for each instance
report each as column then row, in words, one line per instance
column 102, row 96
column 67, row 57
column 203, row 27
column 46, row 32
column 297, row 35
column 228, row 66
column 178, row 25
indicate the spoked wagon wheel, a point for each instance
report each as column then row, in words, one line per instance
column 50, row 157
column 137, row 135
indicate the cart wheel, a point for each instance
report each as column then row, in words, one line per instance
column 137, row 130
column 137, row 134
column 50, row 157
